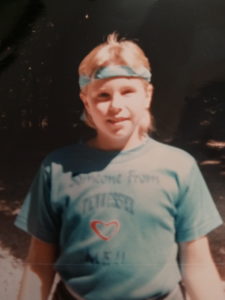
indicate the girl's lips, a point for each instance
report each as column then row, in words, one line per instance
column 117, row 120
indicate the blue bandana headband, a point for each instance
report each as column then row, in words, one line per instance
column 115, row 71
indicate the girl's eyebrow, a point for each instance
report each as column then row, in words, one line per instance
column 126, row 87
column 104, row 90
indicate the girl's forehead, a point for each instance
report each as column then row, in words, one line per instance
column 115, row 82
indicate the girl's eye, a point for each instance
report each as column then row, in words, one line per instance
column 103, row 96
column 127, row 92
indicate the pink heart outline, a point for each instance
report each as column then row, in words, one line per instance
column 97, row 231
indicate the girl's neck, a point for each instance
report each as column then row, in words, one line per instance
column 117, row 144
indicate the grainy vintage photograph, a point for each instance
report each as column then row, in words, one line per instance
column 112, row 127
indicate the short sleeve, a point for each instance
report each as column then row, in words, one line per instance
column 37, row 216
column 196, row 214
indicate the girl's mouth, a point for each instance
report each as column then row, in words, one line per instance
column 117, row 120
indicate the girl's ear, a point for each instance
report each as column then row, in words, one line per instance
column 83, row 97
column 149, row 93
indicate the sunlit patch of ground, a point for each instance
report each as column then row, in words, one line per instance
column 210, row 162
column 11, row 270
column 216, row 144
column 10, row 275
column 9, row 210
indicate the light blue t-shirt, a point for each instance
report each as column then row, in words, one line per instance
column 118, row 217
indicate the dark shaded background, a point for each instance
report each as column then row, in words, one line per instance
column 41, row 45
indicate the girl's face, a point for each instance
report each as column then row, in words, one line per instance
column 117, row 106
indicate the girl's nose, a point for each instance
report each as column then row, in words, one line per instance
column 116, row 102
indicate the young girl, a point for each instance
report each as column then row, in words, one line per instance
column 114, row 215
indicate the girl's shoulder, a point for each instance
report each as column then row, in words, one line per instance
column 65, row 155
column 170, row 152
column 172, row 159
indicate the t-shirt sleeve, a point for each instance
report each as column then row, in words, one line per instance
column 37, row 216
column 196, row 214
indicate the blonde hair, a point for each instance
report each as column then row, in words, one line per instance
column 116, row 51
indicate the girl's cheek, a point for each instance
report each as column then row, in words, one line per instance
column 102, row 107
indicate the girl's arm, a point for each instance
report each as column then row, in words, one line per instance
column 38, row 273
column 199, row 274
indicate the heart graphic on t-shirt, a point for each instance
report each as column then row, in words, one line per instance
column 105, row 230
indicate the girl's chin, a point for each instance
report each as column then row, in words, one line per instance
column 117, row 141
column 122, row 135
